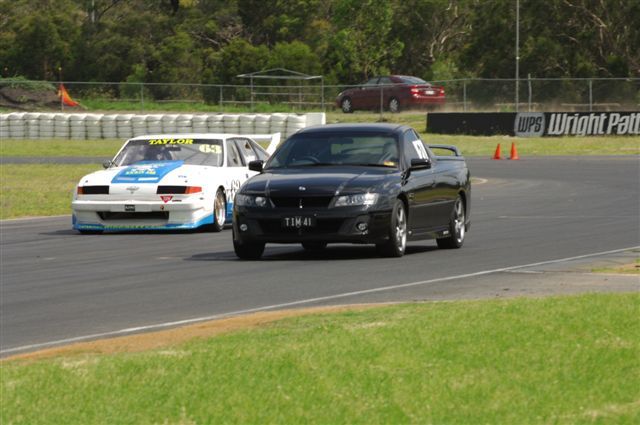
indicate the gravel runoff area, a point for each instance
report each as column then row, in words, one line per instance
column 546, row 279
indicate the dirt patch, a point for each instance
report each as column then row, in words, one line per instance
column 28, row 100
column 171, row 337
column 626, row 269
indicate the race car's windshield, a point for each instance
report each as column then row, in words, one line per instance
column 191, row 151
column 306, row 150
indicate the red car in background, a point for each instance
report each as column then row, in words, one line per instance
column 397, row 92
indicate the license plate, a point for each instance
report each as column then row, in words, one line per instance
column 129, row 208
column 429, row 92
column 298, row 222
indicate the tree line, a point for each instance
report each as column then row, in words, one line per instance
column 346, row 41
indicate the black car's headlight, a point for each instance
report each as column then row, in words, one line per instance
column 360, row 199
column 251, row 201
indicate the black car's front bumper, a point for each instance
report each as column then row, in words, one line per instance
column 332, row 225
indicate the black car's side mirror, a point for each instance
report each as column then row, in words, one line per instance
column 256, row 165
column 420, row 163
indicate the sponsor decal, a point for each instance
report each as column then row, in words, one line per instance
column 166, row 198
column 623, row 123
column 171, row 142
column 529, row 124
column 146, row 172
column 593, row 124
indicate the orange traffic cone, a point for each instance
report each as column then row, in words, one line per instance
column 498, row 154
column 514, row 152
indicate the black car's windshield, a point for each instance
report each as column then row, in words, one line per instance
column 307, row 150
column 191, row 151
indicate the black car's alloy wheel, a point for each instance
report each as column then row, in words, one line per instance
column 397, row 243
column 457, row 227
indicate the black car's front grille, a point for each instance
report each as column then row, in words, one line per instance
column 304, row 201
column 152, row 215
column 95, row 190
column 323, row 225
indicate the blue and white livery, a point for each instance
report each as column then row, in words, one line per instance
column 167, row 182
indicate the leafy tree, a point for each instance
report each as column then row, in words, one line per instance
column 363, row 44
column 39, row 39
column 175, row 60
column 433, row 32
column 272, row 21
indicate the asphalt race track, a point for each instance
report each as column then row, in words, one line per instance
column 58, row 286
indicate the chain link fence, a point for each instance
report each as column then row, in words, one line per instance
column 470, row 95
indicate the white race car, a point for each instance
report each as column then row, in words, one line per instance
column 167, row 182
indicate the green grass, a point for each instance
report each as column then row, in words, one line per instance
column 486, row 145
column 186, row 107
column 39, row 189
column 566, row 360
column 632, row 268
column 106, row 148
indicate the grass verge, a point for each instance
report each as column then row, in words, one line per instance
column 631, row 268
column 552, row 360
column 39, row 189
column 106, row 148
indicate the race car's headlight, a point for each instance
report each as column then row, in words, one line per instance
column 361, row 199
column 251, row 201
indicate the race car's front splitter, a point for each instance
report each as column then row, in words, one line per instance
column 130, row 227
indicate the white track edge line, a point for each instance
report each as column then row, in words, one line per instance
column 157, row 326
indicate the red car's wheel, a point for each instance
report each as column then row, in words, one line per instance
column 394, row 105
column 346, row 105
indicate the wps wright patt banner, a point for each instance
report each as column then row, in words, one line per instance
column 528, row 124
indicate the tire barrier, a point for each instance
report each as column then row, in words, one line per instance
column 37, row 125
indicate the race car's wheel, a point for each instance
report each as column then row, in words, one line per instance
column 219, row 211
column 394, row 105
column 248, row 250
column 397, row 243
column 346, row 105
column 457, row 227
column 314, row 246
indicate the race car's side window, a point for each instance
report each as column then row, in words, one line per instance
column 244, row 145
column 233, row 156
column 260, row 152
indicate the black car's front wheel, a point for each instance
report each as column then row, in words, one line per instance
column 457, row 227
column 397, row 243
column 248, row 250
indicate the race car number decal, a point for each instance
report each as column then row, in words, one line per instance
column 235, row 185
column 420, row 150
column 210, row 148
column 171, row 142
